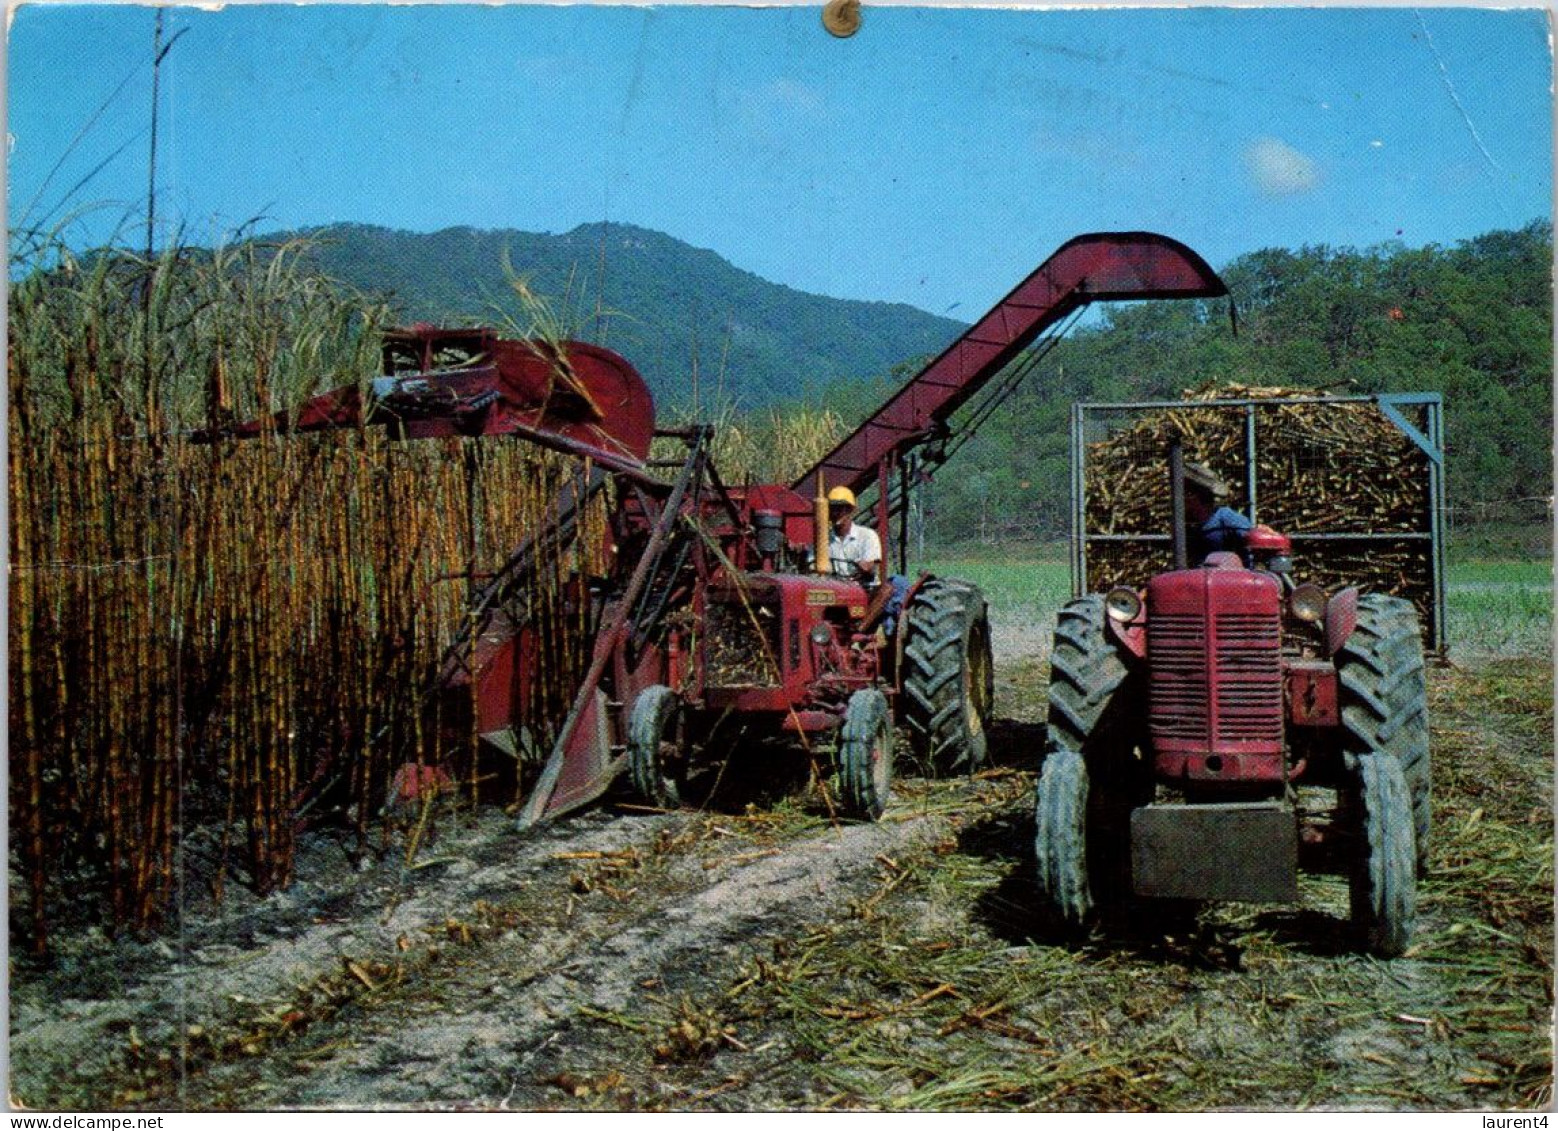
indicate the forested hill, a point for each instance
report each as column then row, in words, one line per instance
column 663, row 304
column 1472, row 322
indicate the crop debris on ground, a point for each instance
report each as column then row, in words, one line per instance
column 764, row 957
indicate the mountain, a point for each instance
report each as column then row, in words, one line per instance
column 663, row 304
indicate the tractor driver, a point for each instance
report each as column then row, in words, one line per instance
column 1213, row 525
column 854, row 550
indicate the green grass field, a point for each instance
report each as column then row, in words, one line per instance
column 1496, row 607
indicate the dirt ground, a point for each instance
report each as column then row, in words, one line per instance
column 761, row 956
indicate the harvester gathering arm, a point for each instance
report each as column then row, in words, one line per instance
column 570, row 397
column 582, row 764
column 1104, row 267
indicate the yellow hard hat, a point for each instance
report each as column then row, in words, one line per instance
column 841, row 495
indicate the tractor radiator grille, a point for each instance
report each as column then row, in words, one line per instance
column 739, row 653
column 1216, row 680
column 1249, row 678
column 1179, row 699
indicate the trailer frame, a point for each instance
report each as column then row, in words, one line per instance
column 1395, row 407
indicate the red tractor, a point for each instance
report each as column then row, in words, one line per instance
column 742, row 628
column 1215, row 728
column 756, row 629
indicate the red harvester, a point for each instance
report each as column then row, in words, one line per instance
column 720, row 607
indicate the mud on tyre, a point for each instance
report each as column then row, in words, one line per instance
column 948, row 676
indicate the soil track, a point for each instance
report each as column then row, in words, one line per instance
column 773, row 959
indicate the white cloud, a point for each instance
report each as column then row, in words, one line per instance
column 1278, row 169
column 794, row 96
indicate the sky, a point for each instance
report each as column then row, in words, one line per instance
column 934, row 158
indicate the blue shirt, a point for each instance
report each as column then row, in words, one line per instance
column 1225, row 530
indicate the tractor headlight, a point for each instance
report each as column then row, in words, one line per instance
column 1308, row 603
column 821, row 635
column 1123, row 604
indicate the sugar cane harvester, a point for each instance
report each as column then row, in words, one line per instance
column 721, row 603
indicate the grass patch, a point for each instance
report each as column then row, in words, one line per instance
column 1012, row 587
column 1500, row 607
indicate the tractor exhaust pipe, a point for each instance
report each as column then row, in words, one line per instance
column 819, row 513
column 1177, row 505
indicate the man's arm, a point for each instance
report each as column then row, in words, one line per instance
column 870, row 552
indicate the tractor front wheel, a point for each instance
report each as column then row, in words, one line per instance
column 1384, row 879
column 1060, row 842
column 657, row 757
column 948, row 676
column 865, row 755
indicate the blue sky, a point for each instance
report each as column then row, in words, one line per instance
column 934, row 158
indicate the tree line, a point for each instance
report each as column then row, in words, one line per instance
column 1472, row 322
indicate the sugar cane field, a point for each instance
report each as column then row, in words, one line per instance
column 218, row 655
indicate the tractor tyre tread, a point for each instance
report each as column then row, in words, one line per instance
column 1085, row 672
column 1384, row 882
column 948, row 676
column 1384, row 705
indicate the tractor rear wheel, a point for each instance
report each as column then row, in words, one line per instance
column 1060, row 842
column 948, row 676
column 865, row 755
column 1085, row 672
column 1384, row 881
column 1385, row 698
column 657, row 757
column 1090, row 692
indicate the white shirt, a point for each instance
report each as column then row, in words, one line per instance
column 860, row 545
